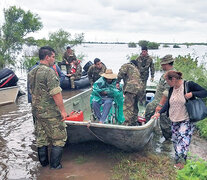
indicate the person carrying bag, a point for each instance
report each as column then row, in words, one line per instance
column 182, row 125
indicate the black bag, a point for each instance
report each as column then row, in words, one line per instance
column 196, row 108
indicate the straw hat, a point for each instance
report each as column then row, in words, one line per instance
column 166, row 59
column 109, row 74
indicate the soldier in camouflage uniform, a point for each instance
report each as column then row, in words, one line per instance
column 133, row 89
column 68, row 57
column 160, row 98
column 47, row 109
column 95, row 71
column 76, row 72
column 145, row 63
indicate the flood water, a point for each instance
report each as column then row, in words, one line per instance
column 18, row 155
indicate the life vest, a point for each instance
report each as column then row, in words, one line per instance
column 55, row 69
column 74, row 67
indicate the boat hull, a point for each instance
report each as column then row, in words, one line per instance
column 8, row 95
column 128, row 138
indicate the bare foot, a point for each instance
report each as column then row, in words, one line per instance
column 179, row 166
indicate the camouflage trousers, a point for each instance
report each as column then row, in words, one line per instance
column 130, row 109
column 165, row 123
column 143, row 97
column 51, row 130
column 72, row 82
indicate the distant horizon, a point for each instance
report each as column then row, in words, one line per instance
column 166, row 22
column 170, row 43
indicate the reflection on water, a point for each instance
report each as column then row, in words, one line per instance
column 17, row 147
column 18, row 157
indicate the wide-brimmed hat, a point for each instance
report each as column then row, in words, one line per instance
column 109, row 74
column 167, row 59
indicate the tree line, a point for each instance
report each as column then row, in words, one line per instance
column 14, row 34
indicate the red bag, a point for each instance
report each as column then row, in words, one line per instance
column 75, row 116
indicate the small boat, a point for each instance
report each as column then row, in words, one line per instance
column 8, row 95
column 80, row 83
column 83, row 82
column 8, row 86
column 128, row 138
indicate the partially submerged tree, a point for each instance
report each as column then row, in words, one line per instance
column 58, row 40
column 148, row 44
column 18, row 24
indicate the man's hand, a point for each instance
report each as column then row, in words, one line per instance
column 158, row 108
column 103, row 93
column 156, row 115
column 64, row 115
column 59, row 102
column 117, row 85
column 69, row 75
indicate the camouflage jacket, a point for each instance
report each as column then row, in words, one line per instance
column 68, row 57
column 131, row 77
column 94, row 73
column 144, row 64
column 43, row 84
column 78, row 71
column 162, row 88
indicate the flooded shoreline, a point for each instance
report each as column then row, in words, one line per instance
column 18, row 158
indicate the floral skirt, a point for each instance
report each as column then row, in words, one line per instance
column 181, row 137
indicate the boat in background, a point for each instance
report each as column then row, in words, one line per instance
column 80, row 83
column 8, row 86
column 128, row 138
column 7, row 78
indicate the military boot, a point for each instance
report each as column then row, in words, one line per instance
column 43, row 155
column 55, row 157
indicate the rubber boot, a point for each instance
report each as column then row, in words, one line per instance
column 43, row 155
column 55, row 157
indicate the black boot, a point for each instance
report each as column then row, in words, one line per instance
column 43, row 155
column 55, row 157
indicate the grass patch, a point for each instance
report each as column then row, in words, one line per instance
column 202, row 126
column 195, row 169
column 147, row 167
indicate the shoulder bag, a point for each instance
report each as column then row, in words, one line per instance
column 196, row 108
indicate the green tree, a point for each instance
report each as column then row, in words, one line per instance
column 153, row 45
column 58, row 40
column 148, row 44
column 132, row 45
column 143, row 43
column 18, row 24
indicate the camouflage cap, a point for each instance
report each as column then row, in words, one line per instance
column 167, row 59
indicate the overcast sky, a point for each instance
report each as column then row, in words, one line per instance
column 121, row 20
